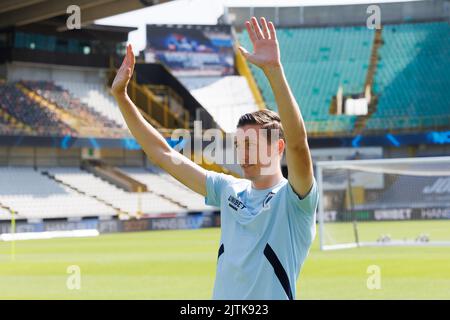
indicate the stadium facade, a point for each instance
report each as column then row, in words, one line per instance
column 364, row 93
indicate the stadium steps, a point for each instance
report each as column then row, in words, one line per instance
column 163, row 183
column 52, row 177
column 157, row 73
column 116, row 177
column 147, row 203
column 157, row 110
column 412, row 78
column 360, row 122
column 148, row 106
column 113, row 175
column 334, row 57
column 145, row 188
column 31, row 195
column 166, row 96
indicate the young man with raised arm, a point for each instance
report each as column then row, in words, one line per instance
column 267, row 221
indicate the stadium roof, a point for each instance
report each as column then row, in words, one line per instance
column 23, row 12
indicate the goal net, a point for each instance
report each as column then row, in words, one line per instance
column 384, row 202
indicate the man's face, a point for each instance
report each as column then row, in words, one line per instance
column 256, row 155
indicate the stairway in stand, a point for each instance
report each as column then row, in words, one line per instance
column 361, row 121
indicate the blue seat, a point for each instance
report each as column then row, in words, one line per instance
column 411, row 79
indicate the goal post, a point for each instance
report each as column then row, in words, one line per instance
column 384, row 202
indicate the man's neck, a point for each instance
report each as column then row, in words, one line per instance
column 265, row 182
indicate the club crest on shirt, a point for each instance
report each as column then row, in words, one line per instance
column 268, row 197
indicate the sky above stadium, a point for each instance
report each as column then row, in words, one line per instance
column 200, row 12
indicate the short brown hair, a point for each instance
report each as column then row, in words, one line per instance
column 268, row 119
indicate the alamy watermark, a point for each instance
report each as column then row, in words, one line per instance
column 74, row 19
column 249, row 146
column 374, row 279
column 73, row 281
column 374, row 19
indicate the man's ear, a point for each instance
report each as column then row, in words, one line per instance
column 281, row 146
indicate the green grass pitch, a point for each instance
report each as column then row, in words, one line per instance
column 180, row 264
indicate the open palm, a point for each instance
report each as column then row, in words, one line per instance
column 124, row 73
column 266, row 52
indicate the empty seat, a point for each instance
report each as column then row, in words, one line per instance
column 129, row 202
column 166, row 185
column 32, row 195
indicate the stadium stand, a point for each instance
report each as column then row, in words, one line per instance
column 67, row 101
column 8, row 128
column 128, row 202
column 410, row 81
column 149, row 75
column 333, row 57
column 33, row 196
column 412, row 78
column 24, row 109
column 160, row 182
column 96, row 96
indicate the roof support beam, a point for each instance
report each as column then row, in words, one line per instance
column 9, row 5
column 41, row 11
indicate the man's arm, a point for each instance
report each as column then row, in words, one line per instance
column 267, row 56
column 152, row 142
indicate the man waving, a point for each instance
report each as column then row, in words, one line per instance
column 267, row 221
